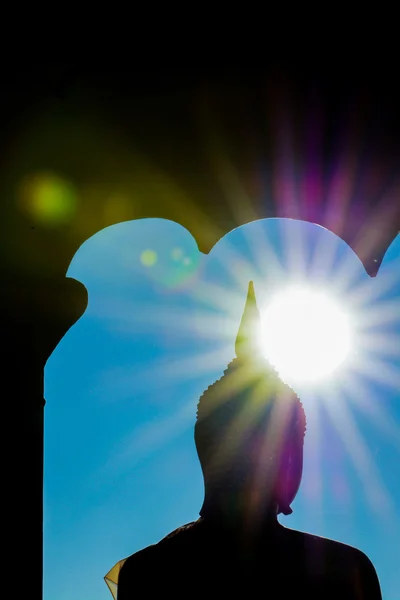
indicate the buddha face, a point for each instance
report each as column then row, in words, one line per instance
column 273, row 468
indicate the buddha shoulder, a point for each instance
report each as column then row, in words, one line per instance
column 163, row 551
column 339, row 559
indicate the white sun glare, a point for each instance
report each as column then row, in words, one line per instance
column 305, row 334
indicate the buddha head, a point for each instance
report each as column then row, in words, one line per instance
column 249, row 431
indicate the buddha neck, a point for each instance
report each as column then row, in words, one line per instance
column 238, row 510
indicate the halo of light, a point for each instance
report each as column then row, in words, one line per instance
column 117, row 208
column 305, row 334
column 48, row 198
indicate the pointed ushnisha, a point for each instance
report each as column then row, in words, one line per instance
column 246, row 340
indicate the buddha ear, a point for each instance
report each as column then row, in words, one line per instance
column 285, row 510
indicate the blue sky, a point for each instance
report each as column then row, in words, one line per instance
column 122, row 387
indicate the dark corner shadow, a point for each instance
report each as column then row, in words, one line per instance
column 238, row 548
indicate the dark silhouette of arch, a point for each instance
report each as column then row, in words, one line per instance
column 249, row 437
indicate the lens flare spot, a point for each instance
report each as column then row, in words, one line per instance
column 47, row 198
column 148, row 258
column 176, row 273
column 177, row 253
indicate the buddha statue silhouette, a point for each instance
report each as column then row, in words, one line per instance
column 249, row 436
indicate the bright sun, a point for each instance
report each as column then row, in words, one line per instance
column 305, row 334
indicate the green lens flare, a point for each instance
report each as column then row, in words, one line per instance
column 148, row 258
column 172, row 268
column 48, row 198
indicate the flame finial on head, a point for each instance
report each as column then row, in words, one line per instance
column 246, row 339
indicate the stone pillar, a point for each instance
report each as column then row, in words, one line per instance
column 35, row 315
